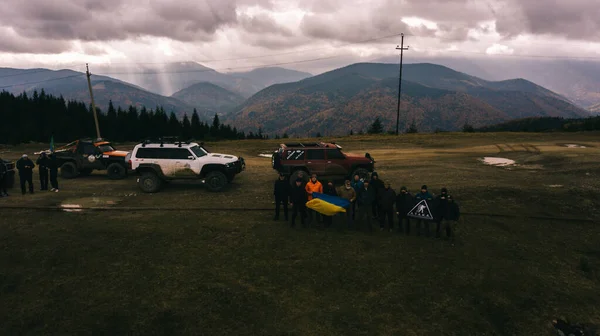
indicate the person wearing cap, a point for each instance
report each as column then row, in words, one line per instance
column 386, row 205
column 404, row 203
column 377, row 185
column 445, row 212
column 42, row 163
column 428, row 197
column 298, row 201
column 348, row 192
column 282, row 196
column 25, row 167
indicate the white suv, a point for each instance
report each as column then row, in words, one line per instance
column 159, row 161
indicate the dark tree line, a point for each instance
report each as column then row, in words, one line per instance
column 546, row 124
column 38, row 117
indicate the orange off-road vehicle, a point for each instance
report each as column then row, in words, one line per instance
column 81, row 157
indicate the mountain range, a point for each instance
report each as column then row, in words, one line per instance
column 433, row 96
column 576, row 79
column 144, row 87
column 281, row 100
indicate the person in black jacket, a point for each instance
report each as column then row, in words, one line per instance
column 447, row 210
column 298, row 198
column 282, row 196
column 42, row 163
column 365, row 200
column 53, row 167
column 25, row 167
column 386, row 205
column 428, row 197
column 330, row 190
column 377, row 186
column 404, row 203
column 3, row 179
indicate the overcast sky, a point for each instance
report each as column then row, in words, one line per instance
column 218, row 33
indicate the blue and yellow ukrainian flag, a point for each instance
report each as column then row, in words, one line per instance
column 327, row 205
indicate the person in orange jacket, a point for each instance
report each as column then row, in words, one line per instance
column 313, row 186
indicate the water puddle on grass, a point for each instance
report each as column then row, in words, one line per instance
column 497, row 161
column 574, row 146
column 265, row 155
column 78, row 204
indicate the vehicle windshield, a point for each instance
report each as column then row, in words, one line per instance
column 106, row 148
column 198, row 151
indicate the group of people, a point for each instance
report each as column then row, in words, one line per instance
column 371, row 200
column 48, row 172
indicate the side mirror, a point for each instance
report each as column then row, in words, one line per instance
column 191, row 157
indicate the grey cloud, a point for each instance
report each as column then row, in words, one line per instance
column 344, row 27
column 95, row 20
column 575, row 19
column 362, row 22
column 11, row 43
column 263, row 24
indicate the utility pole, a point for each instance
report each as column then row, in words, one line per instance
column 88, row 74
column 401, row 48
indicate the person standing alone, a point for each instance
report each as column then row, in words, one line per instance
column 53, row 167
column 282, row 196
column 42, row 163
column 25, row 167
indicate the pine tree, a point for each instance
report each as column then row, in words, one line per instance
column 110, row 127
column 376, row 127
column 285, row 135
column 351, row 133
column 214, row 129
column 186, row 128
column 468, row 128
column 196, row 126
column 174, row 125
column 412, row 128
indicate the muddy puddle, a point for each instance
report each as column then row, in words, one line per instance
column 79, row 204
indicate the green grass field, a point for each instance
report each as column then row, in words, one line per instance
column 200, row 272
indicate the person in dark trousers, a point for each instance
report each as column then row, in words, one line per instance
column 377, row 186
column 3, row 179
column 42, row 163
column 365, row 200
column 331, row 191
column 53, row 167
column 404, row 203
column 25, row 167
column 357, row 184
column 447, row 211
column 298, row 197
column 281, row 191
column 348, row 192
column 427, row 196
column 387, row 200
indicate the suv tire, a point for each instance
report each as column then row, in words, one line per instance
column 362, row 172
column 116, row 171
column 299, row 173
column 215, row 180
column 68, row 170
column 149, row 182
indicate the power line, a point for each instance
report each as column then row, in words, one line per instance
column 42, row 81
column 273, row 54
column 514, row 55
column 222, row 69
column 167, row 72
